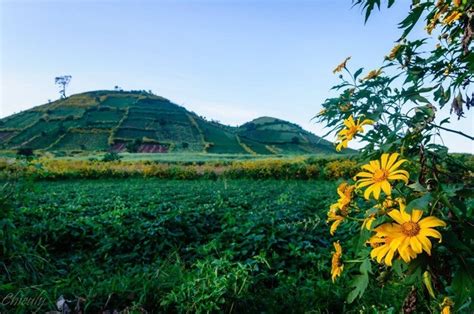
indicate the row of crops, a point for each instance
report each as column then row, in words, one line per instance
column 174, row 246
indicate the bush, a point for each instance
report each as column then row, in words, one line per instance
column 111, row 156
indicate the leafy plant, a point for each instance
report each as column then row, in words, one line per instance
column 403, row 198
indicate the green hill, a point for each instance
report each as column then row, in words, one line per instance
column 142, row 122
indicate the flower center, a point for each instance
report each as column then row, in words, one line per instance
column 353, row 130
column 410, row 228
column 380, row 175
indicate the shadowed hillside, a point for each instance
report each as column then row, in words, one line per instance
column 146, row 123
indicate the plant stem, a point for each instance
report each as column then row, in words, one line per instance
column 453, row 131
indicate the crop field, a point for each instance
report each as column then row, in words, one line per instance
column 104, row 115
column 178, row 246
column 118, row 102
column 62, row 112
column 85, row 140
column 19, row 122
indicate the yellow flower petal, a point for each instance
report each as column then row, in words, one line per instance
column 415, row 245
column 397, row 216
column 431, row 221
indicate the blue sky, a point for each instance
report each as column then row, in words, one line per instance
column 227, row 60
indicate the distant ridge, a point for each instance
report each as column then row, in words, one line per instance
column 139, row 121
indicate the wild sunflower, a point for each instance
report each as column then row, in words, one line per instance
column 336, row 263
column 394, row 51
column 352, row 128
column 379, row 174
column 451, row 18
column 372, row 74
column 381, row 244
column 367, row 224
column 388, row 204
column 322, row 112
column 408, row 235
column 446, row 306
column 336, row 221
column 339, row 210
column 341, row 66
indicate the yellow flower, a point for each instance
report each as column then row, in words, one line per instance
column 446, row 306
column 379, row 174
column 447, row 70
column 457, row 3
column 338, row 211
column 408, row 235
column 352, row 128
column 451, row 18
column 336, row 221
column 388, row 204
column 336, row 264
column 368, row 222
column 382, row 249
column 393, row 52
column 431, row 26
column 373, row 74
column 344, row 191
column 341, row 66
column 345, row 107
column 322, row 112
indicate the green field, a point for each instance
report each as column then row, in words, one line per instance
column 179, row 246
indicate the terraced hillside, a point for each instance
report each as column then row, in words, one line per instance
column 143, row 122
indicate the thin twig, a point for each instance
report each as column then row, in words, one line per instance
column 453, row 131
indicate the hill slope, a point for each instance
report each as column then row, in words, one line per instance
column 142, row 122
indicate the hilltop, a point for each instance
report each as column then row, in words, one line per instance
column 138, row 121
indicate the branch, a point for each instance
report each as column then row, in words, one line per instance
column 453, row 131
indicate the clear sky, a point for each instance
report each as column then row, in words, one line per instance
column 229, row 60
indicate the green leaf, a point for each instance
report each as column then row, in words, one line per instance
column 357, row 73
column 463, row 285
column 365, row 267
column 420, row 203
column 359, row 284
column 417, row 187
column 361, row 281
column 409, row 22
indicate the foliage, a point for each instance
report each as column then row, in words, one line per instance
column 111, row 156
column 287, row 169
column 227, row 246
column 25, row 152
column 405, row 175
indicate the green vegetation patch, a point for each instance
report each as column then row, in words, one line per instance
column 129, row 133
column 156, row 104
column 21, row 120
column 104, row 115
column 6, row 135
column 97, row 141
column 270, row 136
column 257, row 147
column 238, row 246
column 118, row 101
column 63, row 112
column 45, row 128
column 42, row 141
column 220, row 140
